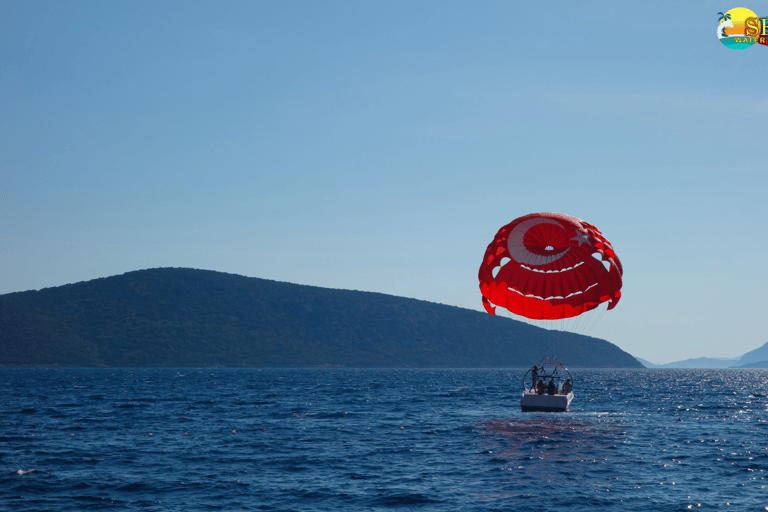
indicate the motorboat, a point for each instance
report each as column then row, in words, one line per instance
column 548, row 387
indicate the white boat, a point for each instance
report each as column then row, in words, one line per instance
column 548, row 387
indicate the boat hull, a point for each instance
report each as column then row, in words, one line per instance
column 531, row 402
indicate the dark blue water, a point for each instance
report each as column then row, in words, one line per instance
column 340, row 439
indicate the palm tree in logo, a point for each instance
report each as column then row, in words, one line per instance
column 725, row 22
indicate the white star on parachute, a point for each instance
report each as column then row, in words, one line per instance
column 582, row 238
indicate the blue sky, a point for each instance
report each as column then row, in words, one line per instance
column 379, row 146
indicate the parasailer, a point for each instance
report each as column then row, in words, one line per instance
column 549, row 266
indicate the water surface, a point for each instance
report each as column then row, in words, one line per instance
column 345, row 439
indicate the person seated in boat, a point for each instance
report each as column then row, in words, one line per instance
column 551, row 387
column 541, row 388
column 567, row 387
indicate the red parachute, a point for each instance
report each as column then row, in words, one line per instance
column 558, row 267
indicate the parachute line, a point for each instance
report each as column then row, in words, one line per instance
column 580, row 321
column 597, row 320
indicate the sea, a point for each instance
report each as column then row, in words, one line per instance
column 330, row 439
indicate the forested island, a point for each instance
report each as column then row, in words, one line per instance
column 176, row 317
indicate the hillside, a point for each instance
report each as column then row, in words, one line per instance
column 757, row 358
column 757, row 364
column 758, row 355
column 186, row 317
column 698, row 362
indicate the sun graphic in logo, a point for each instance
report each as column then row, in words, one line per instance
column 731, row 30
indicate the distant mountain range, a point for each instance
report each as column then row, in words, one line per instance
column 185, row 317
column 757, row 358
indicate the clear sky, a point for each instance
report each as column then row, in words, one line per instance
column 380, row 145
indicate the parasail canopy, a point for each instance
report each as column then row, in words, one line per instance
column 549, row 266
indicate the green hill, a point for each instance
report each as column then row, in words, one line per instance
column 186, row 317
